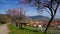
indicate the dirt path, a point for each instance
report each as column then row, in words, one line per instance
column 4, row 29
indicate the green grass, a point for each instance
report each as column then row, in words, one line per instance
column 0, row 23
column 27, row 30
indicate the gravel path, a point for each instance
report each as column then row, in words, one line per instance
column 4, row 29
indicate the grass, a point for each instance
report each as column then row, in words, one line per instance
column 0, row 23
column 15, row 30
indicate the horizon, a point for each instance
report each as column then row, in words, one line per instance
column 36, row 15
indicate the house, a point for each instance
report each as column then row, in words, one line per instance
column 55, row 24
column 37, row 23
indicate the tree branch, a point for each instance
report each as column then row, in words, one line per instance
column 52, row 17
column 48, row 11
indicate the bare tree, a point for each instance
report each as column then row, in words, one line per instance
column 52, row 5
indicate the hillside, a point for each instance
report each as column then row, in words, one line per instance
column 39, row 17
column 43, row 18
column 2, row 15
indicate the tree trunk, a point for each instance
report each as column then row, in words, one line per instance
column 20, row 25
column 48, row 24
column 16, row 24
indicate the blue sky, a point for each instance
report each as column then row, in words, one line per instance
column 6, row 4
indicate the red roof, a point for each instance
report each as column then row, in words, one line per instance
column 54, row 23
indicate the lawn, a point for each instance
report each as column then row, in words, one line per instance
column 26, row 30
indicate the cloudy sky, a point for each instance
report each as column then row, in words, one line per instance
column 8, row 4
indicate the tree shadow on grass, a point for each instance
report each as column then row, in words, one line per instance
column 29, row 29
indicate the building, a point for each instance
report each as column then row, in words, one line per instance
column 55, row 24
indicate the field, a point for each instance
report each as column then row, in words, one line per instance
column 26, row 30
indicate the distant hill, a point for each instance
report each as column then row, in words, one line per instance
column 2, row 15
column 40, row 17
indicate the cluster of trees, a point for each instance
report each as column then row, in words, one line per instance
column 17, row 15
column 51, row 5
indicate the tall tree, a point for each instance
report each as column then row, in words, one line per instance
column 52, row 5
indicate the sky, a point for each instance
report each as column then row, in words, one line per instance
column 9, row 4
